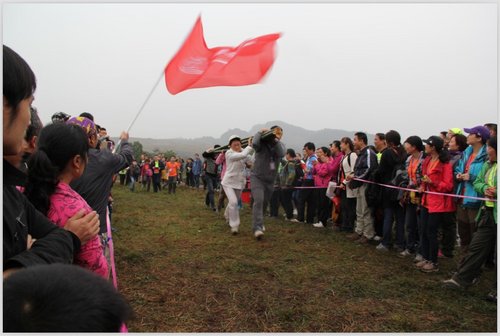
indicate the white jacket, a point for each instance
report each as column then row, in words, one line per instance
column 350, row 193
column 235, row 167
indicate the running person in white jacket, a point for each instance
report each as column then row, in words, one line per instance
column 234, row 179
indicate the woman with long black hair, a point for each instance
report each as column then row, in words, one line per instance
column 61, row 157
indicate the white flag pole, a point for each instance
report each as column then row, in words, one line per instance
column 142, row 108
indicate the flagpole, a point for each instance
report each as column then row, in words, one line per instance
column 142, row 108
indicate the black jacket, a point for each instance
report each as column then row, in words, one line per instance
column 365, row 166
column 20, row 218
column 390, row 161
column 97, row 179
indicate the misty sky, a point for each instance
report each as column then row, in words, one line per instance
column 416, row 68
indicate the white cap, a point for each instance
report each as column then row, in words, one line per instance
column 232, row 137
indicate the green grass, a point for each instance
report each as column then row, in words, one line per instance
column 182, row 271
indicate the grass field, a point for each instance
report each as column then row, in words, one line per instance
column 182, row 271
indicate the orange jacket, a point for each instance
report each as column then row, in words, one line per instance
column 441, row 176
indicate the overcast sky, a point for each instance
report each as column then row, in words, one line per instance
column 416, row 68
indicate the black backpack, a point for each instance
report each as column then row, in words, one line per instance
column 299, row 174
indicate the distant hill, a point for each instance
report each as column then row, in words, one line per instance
column 293, row 136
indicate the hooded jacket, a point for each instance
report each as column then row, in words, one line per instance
column 466, row 187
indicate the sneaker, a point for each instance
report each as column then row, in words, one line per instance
column 451, row 283
column 492, row 296
column 382, row 248
column 377, row 238
column 418, row 258
column 405, row 254
column 430, row 267
column 318, row 225
column 258, row 234
column 234, row 231
column 421, row 264
column 354, row 236
column 294, row 220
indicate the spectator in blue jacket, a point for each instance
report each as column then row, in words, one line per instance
column 197, row 166
column 466, row 171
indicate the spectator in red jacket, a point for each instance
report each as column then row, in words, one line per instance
column 437, row 176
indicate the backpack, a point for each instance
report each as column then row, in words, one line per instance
column 400, row 178
column 299, row 174
column 373, row 194
column 211, row 166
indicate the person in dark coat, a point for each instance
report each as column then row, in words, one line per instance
column 21, row 221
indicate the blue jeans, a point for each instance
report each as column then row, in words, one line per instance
column 132, row 183
column 295, row 198
column 389, row 214
column 196, row 180
column 412, row 224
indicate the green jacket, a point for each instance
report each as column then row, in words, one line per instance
column 480, row 185
column 287, row 176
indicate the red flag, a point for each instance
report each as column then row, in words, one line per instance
column 197, row 66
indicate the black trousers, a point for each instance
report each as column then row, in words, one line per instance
column 172, row 184
column 348, row 212
column 286, row 201
column 274, row 203
column 156, row 182
column 307, row 196
column 324, row 205
column 448, row 233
